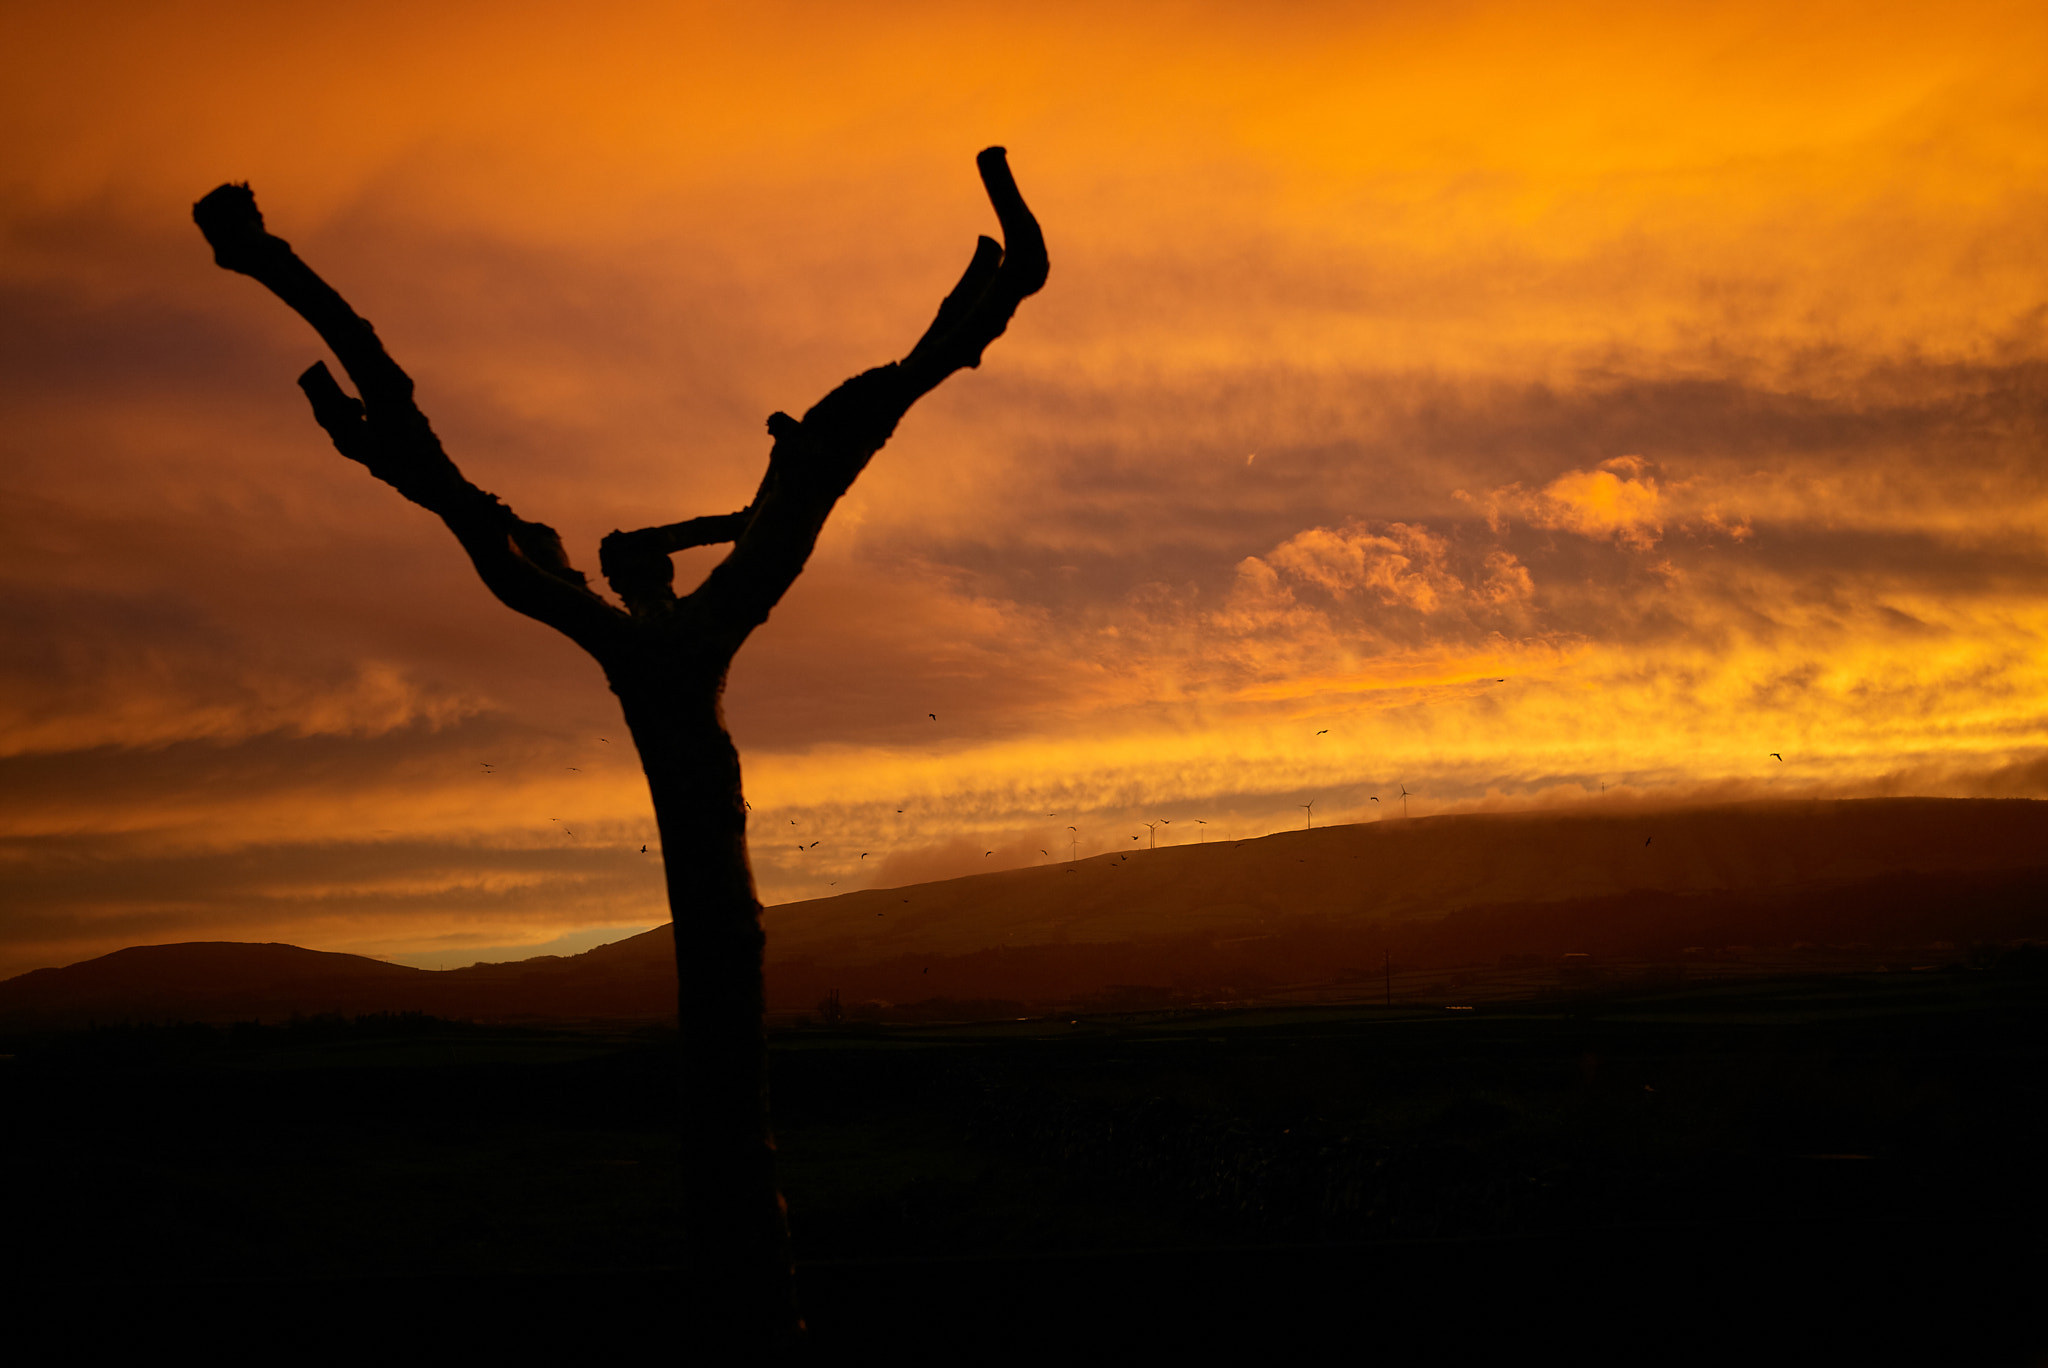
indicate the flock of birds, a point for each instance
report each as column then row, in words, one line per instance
column 490, row 770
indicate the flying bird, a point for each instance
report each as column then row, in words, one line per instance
column 986, row 853
column 1375, row 799
column 1648, row 839
column 1045, row 852
column 933, row 716
column 1777, row 757
column 812, row 846
column 643, row 850
column 863, row 854
column 606, row 739
column 1324, row 732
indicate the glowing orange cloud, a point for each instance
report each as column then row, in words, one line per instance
column 1501, row 402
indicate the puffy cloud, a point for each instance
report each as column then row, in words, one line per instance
column 1614, row 502
column 1507, row 579
column 1404, row 565
column 1366, row 591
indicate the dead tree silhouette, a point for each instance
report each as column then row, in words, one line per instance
column 666, row 658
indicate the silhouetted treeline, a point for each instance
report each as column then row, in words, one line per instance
column 2025, row 960
column 936, row 1009
column 172, row 1042
column 1303, row 1177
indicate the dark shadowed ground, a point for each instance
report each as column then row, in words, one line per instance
column 1818, row 1167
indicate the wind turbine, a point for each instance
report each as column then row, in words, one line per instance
column 1074, row 845
column 1200, row 834
column 1404, row 802
column 1151, row 835
column 1310, row 807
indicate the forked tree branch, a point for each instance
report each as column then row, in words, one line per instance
column 810, row 467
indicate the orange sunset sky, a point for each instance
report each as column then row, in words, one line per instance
column 1681, row 367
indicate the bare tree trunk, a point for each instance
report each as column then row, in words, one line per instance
column 666, row 658
column 738, row 1256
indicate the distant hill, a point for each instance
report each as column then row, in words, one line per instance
column 1397, row 872
column 225, row 981
column 205, row 980
column 1292, row 907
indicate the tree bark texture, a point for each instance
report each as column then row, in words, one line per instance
column 666, row 657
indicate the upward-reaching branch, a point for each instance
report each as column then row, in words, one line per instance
column 814, row 461
column 521, row 562
column 996, row 281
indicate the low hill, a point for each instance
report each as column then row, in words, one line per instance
column 1294, row 907
column 1396, row 873
column 206, row 980
column 225, row 981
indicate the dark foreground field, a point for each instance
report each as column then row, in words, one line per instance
column 1812, row 1168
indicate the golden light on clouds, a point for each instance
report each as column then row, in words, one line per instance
column 1499, row 401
